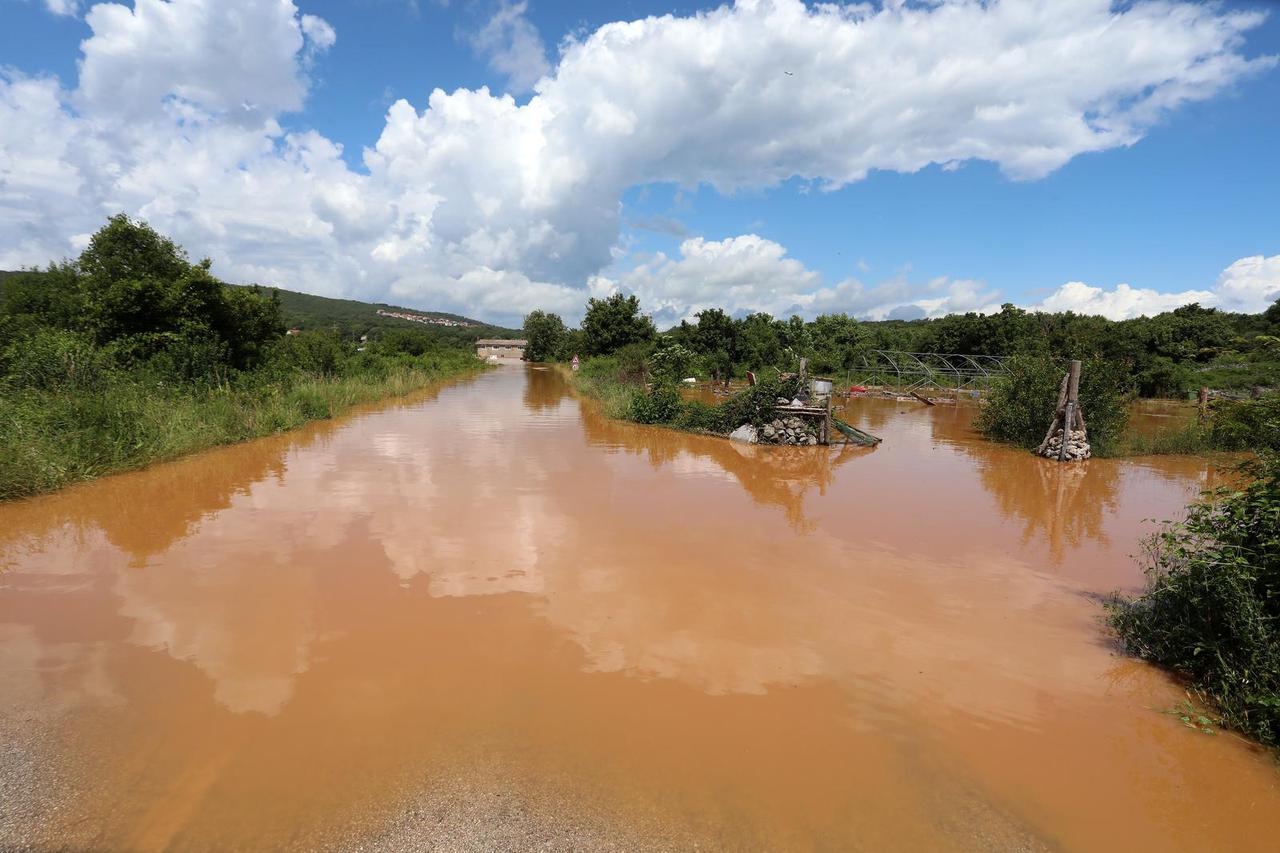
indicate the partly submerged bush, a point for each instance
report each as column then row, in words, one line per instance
column 1211, row 612
column 1021, row 402
column 659, row 406
column 664, row 405
column 755, row 405
column 670, row 361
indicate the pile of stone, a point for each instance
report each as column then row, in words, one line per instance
column 790, row 430
column 1077, row 446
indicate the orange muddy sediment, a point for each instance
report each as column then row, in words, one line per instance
column 491, row 618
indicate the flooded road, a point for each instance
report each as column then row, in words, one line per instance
column 489, row 618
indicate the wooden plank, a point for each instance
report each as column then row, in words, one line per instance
column 924, row 400
column 809, row 411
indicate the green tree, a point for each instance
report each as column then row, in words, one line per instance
column 546, row 334
column 615, row 322
column 670, row 361
column 127, row 250
column 147, row 302
column 838, row 339
column 715, row 340
column 53, row 297
column 760, row 343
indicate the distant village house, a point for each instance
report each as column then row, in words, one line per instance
column 493, row 348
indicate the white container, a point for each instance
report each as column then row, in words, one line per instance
column 821, row 387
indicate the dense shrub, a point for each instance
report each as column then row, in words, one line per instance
column 51, row 358
column 1246, row 424
column 633, row 362
column 614, row 322
column 661, row 405
column 1021, row 403
column 1164, row 377
column 670, row 361
column 755, row 405
column 1211, row 612
column 696, row 416
column 323, row 353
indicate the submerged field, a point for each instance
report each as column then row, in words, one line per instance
column 488, row 617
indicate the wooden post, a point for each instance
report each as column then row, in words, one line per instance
column 1202, row 403
column 1057, row 414
column 826, row 422
column 1073, row 398
column 924, row 400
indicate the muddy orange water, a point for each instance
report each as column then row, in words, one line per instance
column 489, row 618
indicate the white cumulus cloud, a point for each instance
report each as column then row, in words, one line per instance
column 1249, row 285
column 474, row 202
column 749, row 273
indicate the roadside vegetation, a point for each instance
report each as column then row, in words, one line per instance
column 1211, row 612
column 132, row 354
column 1170, row 355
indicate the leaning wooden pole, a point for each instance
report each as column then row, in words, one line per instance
column 1073, row 402
column 1057, row 413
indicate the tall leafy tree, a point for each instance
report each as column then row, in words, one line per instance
column 545, row 333
column 615, row 322
column 146, row 300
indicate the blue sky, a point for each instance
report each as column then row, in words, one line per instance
column 1169, row 212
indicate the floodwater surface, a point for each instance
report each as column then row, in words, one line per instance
column 487, row 617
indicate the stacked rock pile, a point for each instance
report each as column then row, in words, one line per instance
column 1077, row 446
column 789, row 430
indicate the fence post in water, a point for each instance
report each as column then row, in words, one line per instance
column 1073, row 401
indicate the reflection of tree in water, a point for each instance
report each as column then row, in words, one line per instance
column 1066, row 503
column 780, row 476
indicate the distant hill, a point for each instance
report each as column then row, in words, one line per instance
column 351, row 317
column 304, row 311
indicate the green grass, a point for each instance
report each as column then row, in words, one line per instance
column 1190, row 439
column 598, row 379
column 52, row 438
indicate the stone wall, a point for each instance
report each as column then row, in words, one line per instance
column 790, row 430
